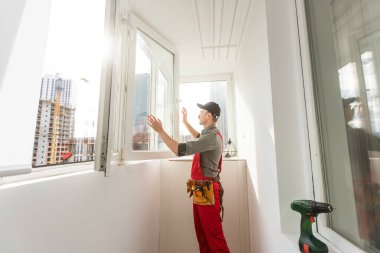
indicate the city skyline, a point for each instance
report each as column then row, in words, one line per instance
column 55, row 141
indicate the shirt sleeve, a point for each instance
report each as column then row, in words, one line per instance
column 204, row 143
column 182, row 149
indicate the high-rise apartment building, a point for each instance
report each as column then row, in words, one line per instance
column 218, row 94
column 50, row 85
column 55, row 121
column 83, row 149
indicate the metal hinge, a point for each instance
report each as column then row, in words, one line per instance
column 103, row 156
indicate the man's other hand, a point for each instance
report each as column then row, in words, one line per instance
column 184, row 115
column 154, row 123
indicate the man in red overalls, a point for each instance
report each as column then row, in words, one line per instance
column 206, row 166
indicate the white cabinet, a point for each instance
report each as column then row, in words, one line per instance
column 176, row 211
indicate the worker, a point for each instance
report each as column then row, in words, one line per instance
column 204, row 184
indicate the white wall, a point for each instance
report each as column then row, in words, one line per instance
column 24, row 26
column 289, row 112
column 254, row 114
column 270, row 106
column 84, row 213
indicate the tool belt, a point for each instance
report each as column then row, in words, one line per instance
column 203, row 192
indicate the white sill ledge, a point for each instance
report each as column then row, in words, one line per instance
column 345, row 246
column 47, row 173
column 292, row 238
column 190, row 158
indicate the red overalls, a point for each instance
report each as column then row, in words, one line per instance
column 207, row 222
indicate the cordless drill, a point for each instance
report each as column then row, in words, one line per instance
column 309, row 209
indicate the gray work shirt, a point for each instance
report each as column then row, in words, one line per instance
column 210, row 147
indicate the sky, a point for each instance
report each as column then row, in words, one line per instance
column 75, row 49
column 190, row 95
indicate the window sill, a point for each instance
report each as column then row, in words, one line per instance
column 148, row 155
column 190, row 158
column 6, row 171
column 292, row 238
column 46, row 173
column 335, row 245
column 130, row 162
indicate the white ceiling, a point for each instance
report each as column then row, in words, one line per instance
column 177, row 21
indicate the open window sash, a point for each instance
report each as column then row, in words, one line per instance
column 152, row 88
column 118, row 104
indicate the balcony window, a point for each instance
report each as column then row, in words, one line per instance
column 345, row 41
column 69, row 91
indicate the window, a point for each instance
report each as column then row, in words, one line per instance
column 345, row 45
column 40, row 129
column 153, row 92
column 152, row 88
column 69, row 92
column 194, row 92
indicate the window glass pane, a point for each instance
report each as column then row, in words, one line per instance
column 346, row 47
column 371, row 83
column 142, row 97
column 163, row 100
column 202, row 92
column 69, row 96
column 153, row 92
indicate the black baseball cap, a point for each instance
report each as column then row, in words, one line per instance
column 211, row 107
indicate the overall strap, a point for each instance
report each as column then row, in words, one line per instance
column 221, row 190
column 221, row 156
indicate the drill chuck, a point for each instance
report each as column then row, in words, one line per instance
column 319, row 207
column 311, row 207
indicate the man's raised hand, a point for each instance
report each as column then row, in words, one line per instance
column 154, row 123
column 184, row 115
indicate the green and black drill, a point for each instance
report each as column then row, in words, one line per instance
column 309, row 209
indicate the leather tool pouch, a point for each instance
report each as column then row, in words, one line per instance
column 202, row 191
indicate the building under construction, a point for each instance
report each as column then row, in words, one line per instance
column 55, row 122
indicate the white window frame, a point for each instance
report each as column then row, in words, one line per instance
column 335, row 240
column 228, row 77
column 130, row 154
column 24, row 172
column 104, row 139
